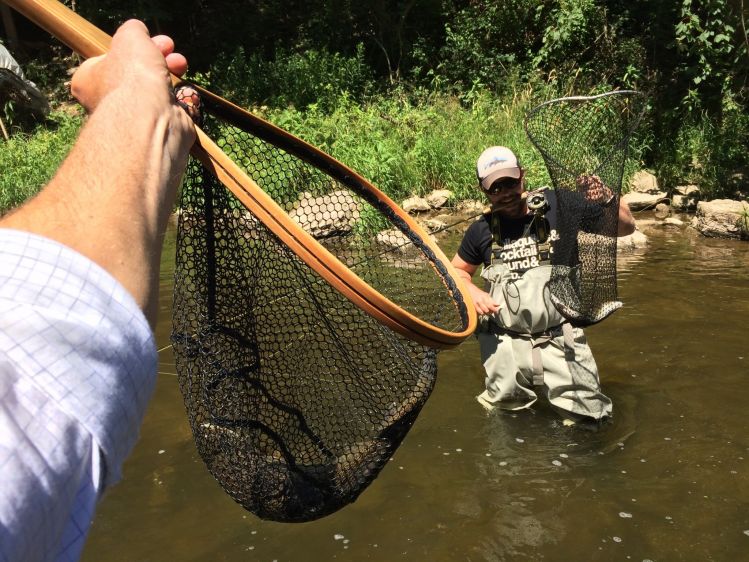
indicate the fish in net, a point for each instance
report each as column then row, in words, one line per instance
column 308, row 308
column 584, row 142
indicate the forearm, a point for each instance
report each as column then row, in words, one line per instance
column 626, row 220
column 476, row 292
column 466, row 277
column 482, row 301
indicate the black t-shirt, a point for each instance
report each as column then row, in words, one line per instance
column 519, row 243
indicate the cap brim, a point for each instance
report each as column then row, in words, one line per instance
column 487, row 182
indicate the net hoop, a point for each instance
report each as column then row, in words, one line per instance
column 584, row 142
column 89, row 41
column 309, row 249
column 548, row 157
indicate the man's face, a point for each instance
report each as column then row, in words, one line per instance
column 506, row 196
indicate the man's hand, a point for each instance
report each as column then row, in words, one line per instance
column 482, row 300
column 136, row 62
column 111, row 198
column 594, row 190
column 134, row 75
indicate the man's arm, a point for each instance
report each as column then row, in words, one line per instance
column 596, row 191
column 77, row 356
column 626, row 220
column 481, row 299
column 111, row 198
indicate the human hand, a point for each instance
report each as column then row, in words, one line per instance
column 136, row 63
column 112, row 197
column 482, row 301
column 593, row 188
column 133, row 81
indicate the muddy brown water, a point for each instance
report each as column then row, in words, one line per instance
column 667, row 480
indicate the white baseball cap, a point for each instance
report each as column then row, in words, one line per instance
column 497, row 162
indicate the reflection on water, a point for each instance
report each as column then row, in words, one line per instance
column 668, row 479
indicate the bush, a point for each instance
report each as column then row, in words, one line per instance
column 411, row 146
column 491, row 44
column 316, row 77
column 711, row 152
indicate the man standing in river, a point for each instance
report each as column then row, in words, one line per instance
column 526, row 344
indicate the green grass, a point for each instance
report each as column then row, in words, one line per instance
column 406, row 144
column 411, row 147
column 28, row 161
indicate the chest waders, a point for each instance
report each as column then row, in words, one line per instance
column 528, row 343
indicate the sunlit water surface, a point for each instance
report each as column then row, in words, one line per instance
column 667, row 480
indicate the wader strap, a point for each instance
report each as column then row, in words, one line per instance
column 544, row 253
column 537, row 341
column 496, row 230
column 538, row 364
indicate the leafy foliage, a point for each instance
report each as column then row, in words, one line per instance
column 490, row 43
column 316, row 77
column 410, row 90
column 409, row 146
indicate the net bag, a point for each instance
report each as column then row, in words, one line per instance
column 297, row 397
column 583, row 141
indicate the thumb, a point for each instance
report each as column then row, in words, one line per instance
column 84, row 85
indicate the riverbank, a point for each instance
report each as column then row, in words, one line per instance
column 679, row 208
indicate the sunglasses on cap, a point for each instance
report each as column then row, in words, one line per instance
column 504, row 183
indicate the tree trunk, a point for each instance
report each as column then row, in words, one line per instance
column 10, row 26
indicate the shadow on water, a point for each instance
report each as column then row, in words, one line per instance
column 666, row 480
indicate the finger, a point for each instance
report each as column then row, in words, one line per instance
column 176, row 63
column 130, row 35
column 134, row 27
column 84, row 71
column 164, row 43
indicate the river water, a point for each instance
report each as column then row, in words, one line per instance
column 668, row 479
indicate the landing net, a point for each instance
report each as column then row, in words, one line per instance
column 584, row 142
column 296, row 397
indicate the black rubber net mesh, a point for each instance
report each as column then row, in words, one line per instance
column 584, row 141
column 296, row 398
